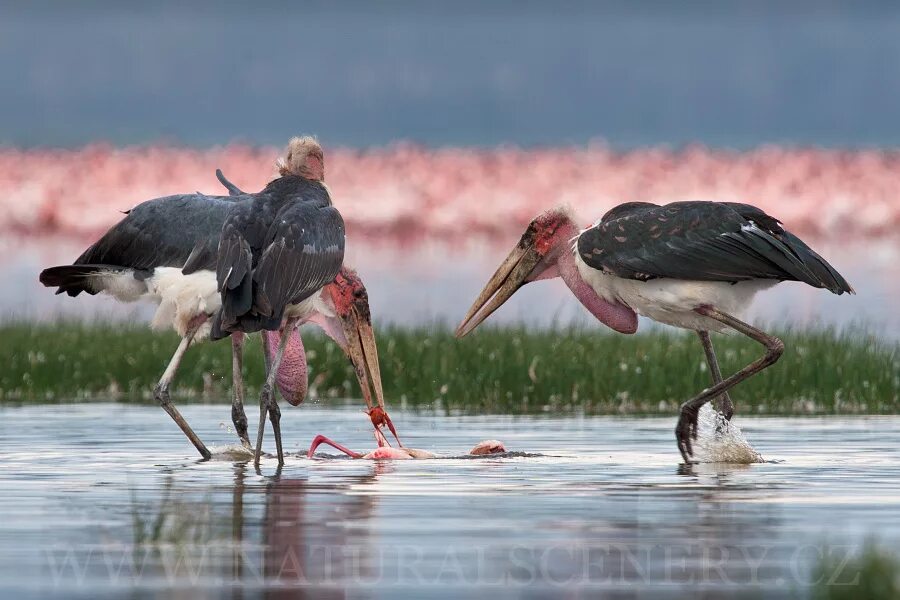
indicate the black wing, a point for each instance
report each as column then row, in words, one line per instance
column 234, row 263
column 306, row 252
column 160, row 232
column 204, row 255
column 269, row 261
column 702, row 241
column 163, row 232
column 823, row 271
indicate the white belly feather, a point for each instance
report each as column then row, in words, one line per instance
column 182, row 297
column 303, row 310
column 672, row 301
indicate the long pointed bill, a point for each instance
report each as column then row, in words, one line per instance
column 509, row 277
column 363, row 353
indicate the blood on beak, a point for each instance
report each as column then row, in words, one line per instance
column 363, row 353
column 512, row 274
column 350, row 325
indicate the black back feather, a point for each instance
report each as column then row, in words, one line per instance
column 276, row 251
column 702, row 241
column 269, row 249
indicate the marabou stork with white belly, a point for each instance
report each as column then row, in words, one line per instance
column 694, row 265
column 236, row 264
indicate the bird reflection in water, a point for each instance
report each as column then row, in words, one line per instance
column 282, row 537
column 309, row 544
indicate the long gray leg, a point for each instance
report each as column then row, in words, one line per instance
column 723, row 402
column 161, row 392
column 238, row 416
column 686, row 430
column 267, row 402
column 266, row 358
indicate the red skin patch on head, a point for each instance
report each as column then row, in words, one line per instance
column 548, row 227
column 545, row 241
column 347, row 290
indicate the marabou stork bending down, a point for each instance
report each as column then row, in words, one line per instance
column 167, row 250
column 694, row 265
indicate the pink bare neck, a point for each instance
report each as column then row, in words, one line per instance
column 292, row 376
column 321, row 439
column 612, row 314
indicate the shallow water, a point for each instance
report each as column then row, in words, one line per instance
column 100, row 497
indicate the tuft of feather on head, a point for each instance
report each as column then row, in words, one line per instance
column 304, row 158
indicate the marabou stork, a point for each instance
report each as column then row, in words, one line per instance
column 694, row 265
column 168, row 250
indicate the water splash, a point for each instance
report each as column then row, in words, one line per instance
column 230, row 451
column 721, row 441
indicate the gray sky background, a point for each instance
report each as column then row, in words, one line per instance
column 472, row 73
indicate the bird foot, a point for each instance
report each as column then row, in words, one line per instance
column 724, row 407
column 722, row 423
column 686, row 431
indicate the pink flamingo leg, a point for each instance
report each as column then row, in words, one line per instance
column 321, row 439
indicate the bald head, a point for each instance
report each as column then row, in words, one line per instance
column 303, row 157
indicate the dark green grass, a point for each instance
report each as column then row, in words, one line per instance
column 508, row 370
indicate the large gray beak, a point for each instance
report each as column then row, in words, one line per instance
column 363, row 353
column 509, row 277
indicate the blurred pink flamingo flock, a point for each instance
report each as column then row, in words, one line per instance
column 406, row 192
